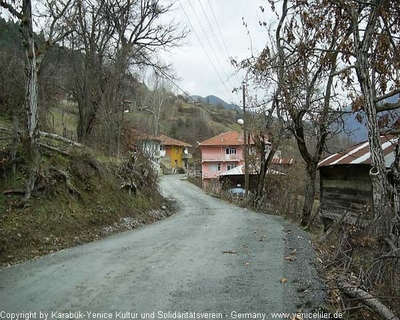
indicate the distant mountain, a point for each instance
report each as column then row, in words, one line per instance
column 215, row 101
column 357, row 130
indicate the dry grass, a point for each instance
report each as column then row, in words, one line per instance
column 57, row 217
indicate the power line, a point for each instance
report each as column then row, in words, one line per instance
column 212, row 48
column 223, row 39
column 219, row 47
column 201, row 43
column 212, row 30
column 219, row 29
column 168, row 77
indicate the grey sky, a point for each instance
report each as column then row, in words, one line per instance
column 218, row 25
column 191, row 63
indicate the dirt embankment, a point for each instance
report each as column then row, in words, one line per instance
column 77, row 199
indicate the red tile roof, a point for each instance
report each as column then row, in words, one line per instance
column 360, row 154
column 230, row 138
column 145, row 136
column 168, row 141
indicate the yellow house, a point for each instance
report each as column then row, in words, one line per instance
column 174, row 153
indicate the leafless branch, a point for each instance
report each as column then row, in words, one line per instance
column 388, row 106
column 11, row 9
column 387, row 95
column 342, row 70
column 354, row 292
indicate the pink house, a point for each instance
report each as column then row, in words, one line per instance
column 219, row 154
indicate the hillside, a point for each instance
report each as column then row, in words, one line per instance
column 215, row 101
column 196, row 123
column 181, row 120
column 64, row 102
column 79, row 197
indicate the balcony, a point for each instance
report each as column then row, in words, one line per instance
column 211, row 175
column 221, row 157
column 154, row 154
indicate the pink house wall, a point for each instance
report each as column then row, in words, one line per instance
column 217, row 155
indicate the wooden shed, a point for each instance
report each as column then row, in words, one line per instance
column 235, row 177
column 345, row 183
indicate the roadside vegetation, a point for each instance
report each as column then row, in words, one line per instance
column 322, row 58
column 79, row 197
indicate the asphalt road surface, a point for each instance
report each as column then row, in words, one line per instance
column 210, row 259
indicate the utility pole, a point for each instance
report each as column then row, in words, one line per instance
column 246, row 157
column 119, row 147
column 119, row 131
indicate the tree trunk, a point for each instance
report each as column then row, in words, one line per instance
column 263, row 171
column 31, row 141
column 14, row 147
column 311, row 174
column 88, row 92
column 87, row 106
column 382, row 310
column 378, row 167
column 380, row 200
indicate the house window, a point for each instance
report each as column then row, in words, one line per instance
column 230, row 150
column 177, row 150
column 230, row 166
column 215, row 167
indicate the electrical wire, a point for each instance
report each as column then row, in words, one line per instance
column 202, row 45
column 212, row 31
column 168, row 77
column 219, row 47
column 235, row 74
column 219, row 29
column 212, row 48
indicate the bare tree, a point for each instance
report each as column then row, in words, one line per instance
column 367, row 66
column 22, row 10
column 366, row 45
column 115, row 37
column 371, row 57
column 299, row 67
column 268, row 71
column 160, row 99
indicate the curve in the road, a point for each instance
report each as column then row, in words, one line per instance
column 211, row 257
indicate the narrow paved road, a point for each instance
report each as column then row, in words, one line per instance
column 177, row 264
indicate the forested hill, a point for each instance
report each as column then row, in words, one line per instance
column 215, row 101
column 355, row 124
column 9, row 35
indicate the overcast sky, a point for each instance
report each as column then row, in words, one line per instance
column 217, row 33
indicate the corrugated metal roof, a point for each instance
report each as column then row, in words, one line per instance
column 360, row 153
column 239, row 170
column 283, row 161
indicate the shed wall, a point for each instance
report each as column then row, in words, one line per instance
column 345, row 187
